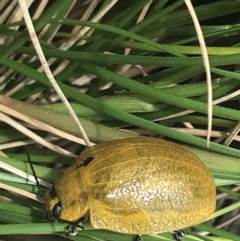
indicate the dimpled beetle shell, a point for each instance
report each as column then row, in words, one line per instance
column 136, row 186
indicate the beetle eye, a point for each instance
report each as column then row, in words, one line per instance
column 55, row 214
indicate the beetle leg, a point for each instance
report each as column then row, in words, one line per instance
column 137, row 238
column 178, row 234
column 85, row 217
column 72, row 228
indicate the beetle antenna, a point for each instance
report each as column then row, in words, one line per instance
column 33, row 171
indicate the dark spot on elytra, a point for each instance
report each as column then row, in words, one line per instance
column 86, row 161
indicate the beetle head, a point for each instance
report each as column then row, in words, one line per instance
column 53, row 206
column 68, row 199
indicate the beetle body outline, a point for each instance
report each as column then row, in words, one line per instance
column 136, row 186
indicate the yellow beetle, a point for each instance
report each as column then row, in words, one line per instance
column 134, row 186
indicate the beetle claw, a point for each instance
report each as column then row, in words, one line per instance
column 137, row 238
column 72, row 228
column 178, row 234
